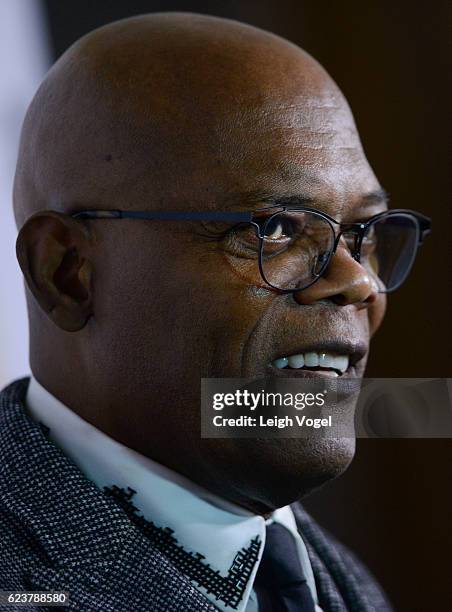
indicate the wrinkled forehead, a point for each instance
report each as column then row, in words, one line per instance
column 305, row 135
column 292, row 137
column 304, row 146
column 276, row 122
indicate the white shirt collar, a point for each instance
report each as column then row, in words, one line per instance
column 201, row 521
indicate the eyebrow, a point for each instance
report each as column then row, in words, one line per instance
column 379, row 196
column 237, row 201
column 251, row 199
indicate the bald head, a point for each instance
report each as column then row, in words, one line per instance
column 175, row 97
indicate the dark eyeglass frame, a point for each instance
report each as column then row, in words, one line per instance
column 358, row 229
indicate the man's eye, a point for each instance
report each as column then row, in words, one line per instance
column 277, row 230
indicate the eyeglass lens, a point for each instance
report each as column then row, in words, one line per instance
column 388, row 249
column 298, row 246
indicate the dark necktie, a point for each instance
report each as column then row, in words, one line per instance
column 280, row 583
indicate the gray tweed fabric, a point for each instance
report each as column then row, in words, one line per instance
column 58, row 531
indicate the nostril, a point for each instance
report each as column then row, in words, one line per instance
column 341, row 299
column 371, row 299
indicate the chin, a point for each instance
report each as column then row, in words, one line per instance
column 266, row 474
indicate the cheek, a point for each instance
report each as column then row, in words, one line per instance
column 218, row 311
column 184, row 305
column 377, row 313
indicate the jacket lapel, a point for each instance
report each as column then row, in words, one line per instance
column 328, row 593
column 342, row 581
column 91, row 548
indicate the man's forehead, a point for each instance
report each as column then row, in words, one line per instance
column 305, row 127
column 306, row 111
column 302, row 142
column 320, row 163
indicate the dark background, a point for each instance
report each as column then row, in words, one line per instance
column 390, row 58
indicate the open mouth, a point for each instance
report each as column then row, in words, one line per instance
column 325, row 363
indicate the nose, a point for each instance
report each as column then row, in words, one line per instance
column 344, row 282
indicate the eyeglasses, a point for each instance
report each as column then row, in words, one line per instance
column 293, row 246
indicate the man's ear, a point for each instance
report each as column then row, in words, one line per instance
column 52, row 250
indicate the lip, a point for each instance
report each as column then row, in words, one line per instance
column 282, row 331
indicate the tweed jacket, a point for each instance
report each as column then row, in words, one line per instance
column 58, row 531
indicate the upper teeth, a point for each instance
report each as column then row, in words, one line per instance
column 312, row 360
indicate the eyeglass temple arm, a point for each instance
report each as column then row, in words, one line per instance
column 165, row 215
column 236, row 217
column 425, row 224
